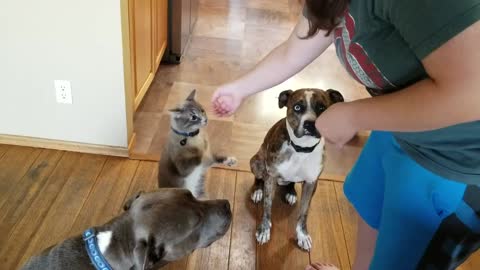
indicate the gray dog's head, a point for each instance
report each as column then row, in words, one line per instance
column 170, row 223
column 304, row 106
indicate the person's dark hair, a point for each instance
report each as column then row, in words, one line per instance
column 324, row 14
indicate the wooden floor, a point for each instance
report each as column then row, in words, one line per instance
column 48, row 195
column 229, row 38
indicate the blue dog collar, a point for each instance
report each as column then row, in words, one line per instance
column 93, row 251
column 186, row 134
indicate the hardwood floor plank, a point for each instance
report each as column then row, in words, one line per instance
column 246, row 140
column 160, row 136
column 215, row 47
column 108, row 194
column 243, row 245
column 349, row 221
column 25, row 229
column 281, row 252
column 156, row 97
column 64, row 210
column 220, row 134
column 177, row 265
column 232, row 4
column 473, row 263
column 271, row 18
column 218, row 22
column 325, row 226
column 219, row 184
column 13, row 166
column 145, row 179
column 147, row 124
column 3, row 149
column 340, row 161
column 280, row 5
column 24, row 192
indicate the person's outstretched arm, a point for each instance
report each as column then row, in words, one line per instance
column 283, row 62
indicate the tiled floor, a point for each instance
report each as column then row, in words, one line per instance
column 229, row 38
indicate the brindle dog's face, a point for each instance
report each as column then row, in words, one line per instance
column 304, row 106
column 175, row 223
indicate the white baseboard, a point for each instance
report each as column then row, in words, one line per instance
column 64, row 145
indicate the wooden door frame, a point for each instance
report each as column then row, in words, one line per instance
column 132, row 99
column 126, row 7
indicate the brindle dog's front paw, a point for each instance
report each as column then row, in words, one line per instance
column 304, row 240
column 230, row 161
column 291, row 198
column 263, row 232
column 257, row 195
column 290, row 194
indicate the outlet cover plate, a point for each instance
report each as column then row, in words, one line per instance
column 63, row 90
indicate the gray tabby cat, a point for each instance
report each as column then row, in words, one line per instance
column 187, row 156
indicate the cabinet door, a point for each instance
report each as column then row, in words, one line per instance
column 148, row 40
column 160, row 32
column 143, row 39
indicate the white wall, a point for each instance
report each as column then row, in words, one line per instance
column 47, row 40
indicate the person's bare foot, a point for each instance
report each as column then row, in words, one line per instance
column 321, row 266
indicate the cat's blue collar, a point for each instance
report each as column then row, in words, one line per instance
column 186, row 134
column 96, row 257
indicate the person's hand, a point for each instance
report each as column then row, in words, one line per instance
column 337, row 124
column 226, row 100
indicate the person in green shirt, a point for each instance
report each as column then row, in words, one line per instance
column 416, row 183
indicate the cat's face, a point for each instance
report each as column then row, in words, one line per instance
column 188, row 116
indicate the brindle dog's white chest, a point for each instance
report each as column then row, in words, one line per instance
column 300, row 166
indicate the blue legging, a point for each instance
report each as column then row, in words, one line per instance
column 424, row 221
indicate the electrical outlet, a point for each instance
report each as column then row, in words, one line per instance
column 63, row 91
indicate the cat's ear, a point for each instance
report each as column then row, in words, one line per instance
column 192, row 95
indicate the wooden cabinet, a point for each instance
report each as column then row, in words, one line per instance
column 160, row 28
column 148, row 39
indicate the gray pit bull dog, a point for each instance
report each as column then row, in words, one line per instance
column 155, row 229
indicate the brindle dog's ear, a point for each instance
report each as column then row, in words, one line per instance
column 335, row 96
column 129, row 202
column 191, row 97
column 147, row 256
column 283, row 98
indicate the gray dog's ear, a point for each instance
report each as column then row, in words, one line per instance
column 283, row 98
column 147, row 256
column 129, row 202
column 335, row 96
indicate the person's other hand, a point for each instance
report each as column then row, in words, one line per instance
column 337, row 124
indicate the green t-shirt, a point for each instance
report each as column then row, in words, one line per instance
column 381, row 44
